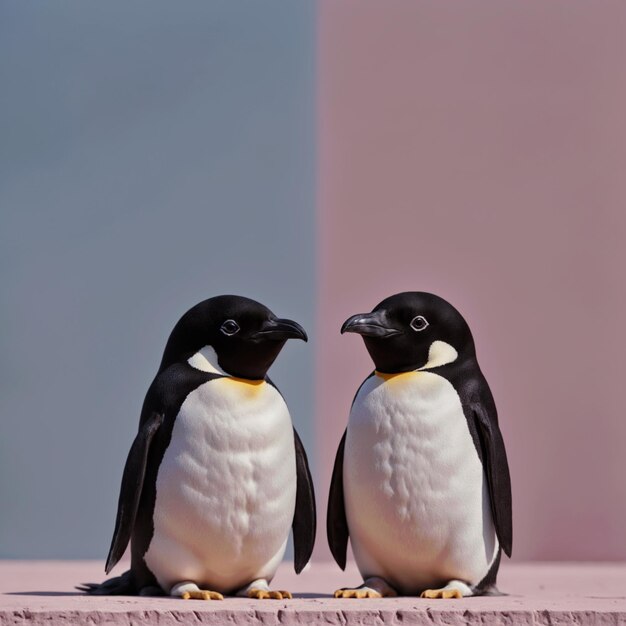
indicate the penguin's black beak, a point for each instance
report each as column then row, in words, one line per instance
column 373, row 324
column 281, row 329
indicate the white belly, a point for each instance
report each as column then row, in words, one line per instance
column 417, row 501
column 226, row 488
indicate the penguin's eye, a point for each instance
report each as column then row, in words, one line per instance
column 230, row 327
column 419, row 323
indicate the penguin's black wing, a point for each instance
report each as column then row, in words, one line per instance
column 337, row 530
column 336, row 522
column 495, row 464
column 304, row 518
column 132, row 483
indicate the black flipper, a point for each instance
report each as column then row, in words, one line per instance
column 119, row 586
column 496, row 468
column 487, row 586
column 130, row 492
column 304, row 518
column 336, row 522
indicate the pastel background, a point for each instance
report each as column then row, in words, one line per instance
column 318, row 157
column 153, row 154
column 478, row 150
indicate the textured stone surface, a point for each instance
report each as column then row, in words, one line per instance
column 42, row 592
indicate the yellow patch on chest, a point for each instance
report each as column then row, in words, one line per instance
column 398, row 379
column 249, row 389
column 422, row 383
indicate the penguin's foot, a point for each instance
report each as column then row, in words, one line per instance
column 262, row 594
column 190, row 591
column 453, row 590
column 374, row 587
column 202, row 594
column 260, row 590
column 358, row 592
column 446, row 594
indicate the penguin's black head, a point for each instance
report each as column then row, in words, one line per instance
column 411, row 329
column 244, row 336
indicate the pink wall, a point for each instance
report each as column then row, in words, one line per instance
column 478, row 150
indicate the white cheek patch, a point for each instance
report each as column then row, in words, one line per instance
column 440, row 353
column 205, row 360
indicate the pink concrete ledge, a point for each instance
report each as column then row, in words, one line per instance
column 42, row 593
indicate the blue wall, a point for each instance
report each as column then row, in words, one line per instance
column 153, row 154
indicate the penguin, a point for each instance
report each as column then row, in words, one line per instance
column 217, row 474
column 421, row 482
